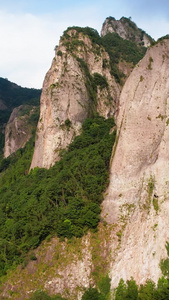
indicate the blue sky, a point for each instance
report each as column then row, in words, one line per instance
column 30, row 29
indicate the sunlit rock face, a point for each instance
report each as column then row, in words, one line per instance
column 138, row 193
column 68, row 97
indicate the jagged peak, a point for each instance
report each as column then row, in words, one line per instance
column 75, row 30
column 126, row 29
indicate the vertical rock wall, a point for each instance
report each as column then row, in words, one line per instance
column 138, row 193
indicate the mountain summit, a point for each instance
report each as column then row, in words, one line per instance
column 126, row 29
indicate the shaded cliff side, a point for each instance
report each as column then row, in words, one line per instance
column 11, row 96
column 22, row 123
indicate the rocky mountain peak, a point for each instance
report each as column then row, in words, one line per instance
column 78, row 85
column 126, row 29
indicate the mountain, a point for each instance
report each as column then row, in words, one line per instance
column 84, row 79
column 89, row 219
column 20, row 127
column 137, row 197
column 78, row 85
column 11, row 96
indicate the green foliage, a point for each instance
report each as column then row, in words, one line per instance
column 132, row 290
column 100, row 80
column 150, row 63
column 104, row 286
column 155, row 204
column 167, row 248
column 92, row 294
column 121, row 291
column 59, row 53
column 41, row 295
column 68, row 123
column 120, row 49
column 64, row 199
column 164, row 265
column 90, row 32
column 151, row 184
column 90, row 85
column 147, row 291
column 162, row 289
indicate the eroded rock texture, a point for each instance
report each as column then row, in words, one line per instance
column 127, row 30
column 18, row 129
column 138, row 193
column 69, row 96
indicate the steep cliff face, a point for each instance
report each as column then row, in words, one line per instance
column 127, row 29
column 19, row 128
column 138, row 194
column 77, row 85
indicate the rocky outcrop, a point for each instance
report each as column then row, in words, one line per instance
column 77, row 85
column 18, row 129
column 126, row 29
column 138, row 193
column 66, row 268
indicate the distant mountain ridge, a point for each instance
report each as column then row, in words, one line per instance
column 12, row 96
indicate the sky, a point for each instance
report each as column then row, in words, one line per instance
column 30, row 29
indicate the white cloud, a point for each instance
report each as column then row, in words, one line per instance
column 28, row 41
column 26, row 50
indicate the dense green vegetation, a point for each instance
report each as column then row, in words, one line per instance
column 90, row 32
column 13, row 95
column 64, row 199
column 148, row 291
column 120, row 49
column 40, row 295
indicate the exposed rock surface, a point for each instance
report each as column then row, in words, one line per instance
column 68, row 97
column 138, row 193
column 65, row 268
column 18, row 129
column 127, row 29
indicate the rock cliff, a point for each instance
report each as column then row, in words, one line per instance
column 138, row 193
column 126, row 29
column 77, row 85
column 19, row 128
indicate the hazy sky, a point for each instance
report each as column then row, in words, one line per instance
column 30, row 29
